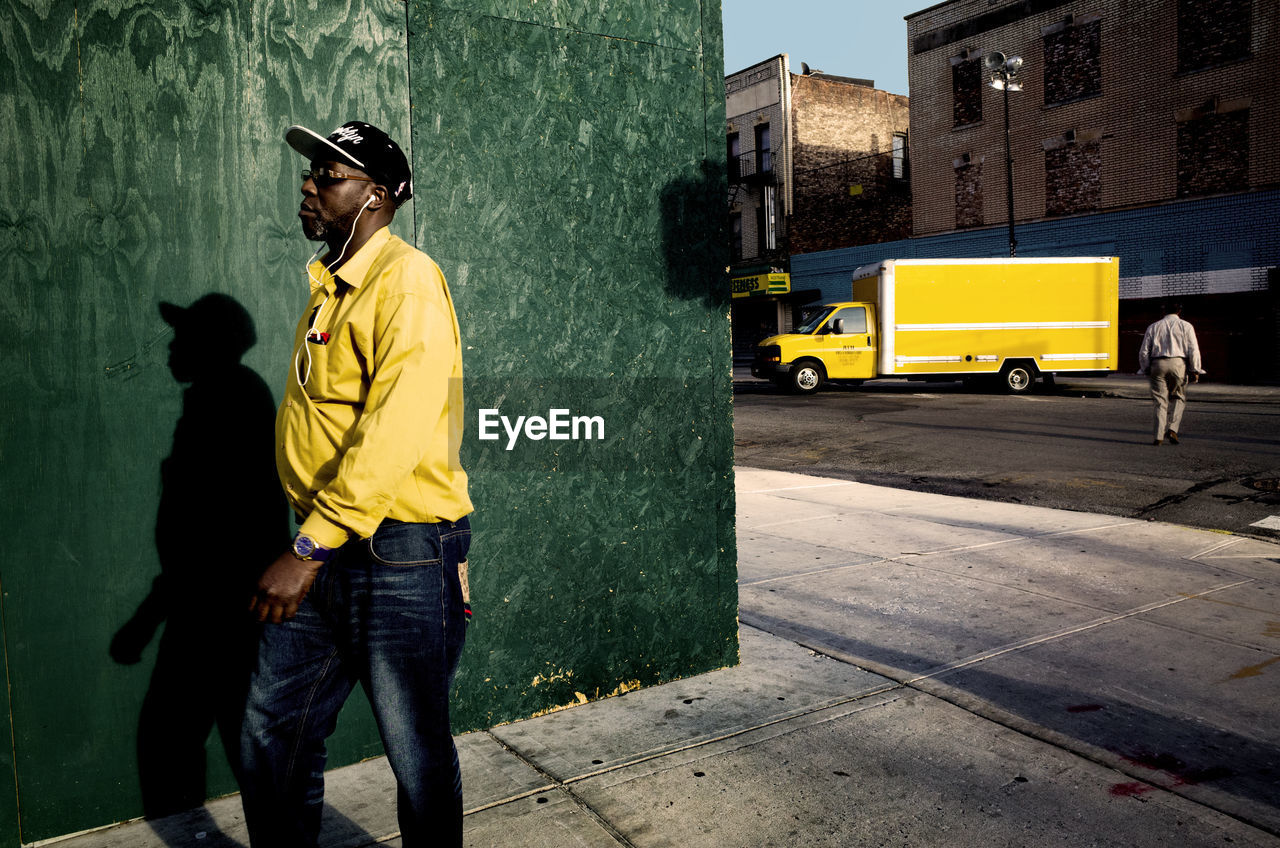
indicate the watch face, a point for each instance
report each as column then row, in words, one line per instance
column 304, row 547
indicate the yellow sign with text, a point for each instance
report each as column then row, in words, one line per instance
column 761, row 284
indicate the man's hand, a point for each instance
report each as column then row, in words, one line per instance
column 282, row 587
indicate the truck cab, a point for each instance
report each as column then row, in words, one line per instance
column 837, row 343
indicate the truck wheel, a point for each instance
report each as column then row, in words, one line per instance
column 806, row 377
column 1018, row 378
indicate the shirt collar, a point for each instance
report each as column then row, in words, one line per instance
column 355, row 269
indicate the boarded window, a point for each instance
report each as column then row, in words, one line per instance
column 1213, row 153
column 966, row 91
column 1072, row 62
column 968, row 194
column 1213, row 32
column 1072, row 177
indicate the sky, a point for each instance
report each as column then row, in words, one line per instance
column 848, row 38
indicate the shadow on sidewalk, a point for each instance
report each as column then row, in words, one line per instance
column 199, row 828
column 1168, row 751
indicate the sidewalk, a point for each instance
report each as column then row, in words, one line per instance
column 917, row 670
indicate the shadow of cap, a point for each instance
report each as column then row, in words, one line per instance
column 217, row 319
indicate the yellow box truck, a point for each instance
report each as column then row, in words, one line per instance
column 957, row 319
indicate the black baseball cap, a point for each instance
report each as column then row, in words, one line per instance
column 363, row 146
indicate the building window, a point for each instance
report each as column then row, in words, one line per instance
column 1213, row 32
column 966, row 89
column 899, row 156
column 764, row 153
column 1213, row 148
column 735, row 230
column 968, row 192
column 1073, row 173
column 1072, row 60
column 735, row 150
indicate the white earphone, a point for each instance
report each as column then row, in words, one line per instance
column 311, row 330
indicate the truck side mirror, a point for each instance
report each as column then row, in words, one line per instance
column 837, row 326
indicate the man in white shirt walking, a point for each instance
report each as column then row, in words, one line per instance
column 1169, row 351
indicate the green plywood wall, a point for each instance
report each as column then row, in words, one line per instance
column 569, row 180
column 564, row 188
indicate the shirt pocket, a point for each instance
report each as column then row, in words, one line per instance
column 313, row 369
column 335, row 369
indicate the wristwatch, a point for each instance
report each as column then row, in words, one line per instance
column 306, row 548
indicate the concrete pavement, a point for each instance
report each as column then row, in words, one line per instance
column 917, row 670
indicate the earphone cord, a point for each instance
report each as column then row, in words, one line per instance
column 297, row 370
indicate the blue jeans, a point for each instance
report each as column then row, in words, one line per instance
column 387, row 612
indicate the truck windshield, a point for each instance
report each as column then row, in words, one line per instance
column 815, row 320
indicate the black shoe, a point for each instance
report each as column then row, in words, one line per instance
column 1172, row 437
column 1157, row 442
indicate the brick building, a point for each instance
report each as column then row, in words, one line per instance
column 816, row 162
column 850, row 169
column 1155, row 115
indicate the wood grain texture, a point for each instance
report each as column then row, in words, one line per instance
column 151, row 167
column 569, row 173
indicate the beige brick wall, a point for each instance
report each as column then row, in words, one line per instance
column 842, row 136
column 1134, row 116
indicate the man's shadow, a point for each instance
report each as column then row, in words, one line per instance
column 222, row 519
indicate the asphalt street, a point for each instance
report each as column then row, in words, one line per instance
column 1085, row 445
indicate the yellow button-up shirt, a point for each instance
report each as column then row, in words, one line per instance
column 371, row 419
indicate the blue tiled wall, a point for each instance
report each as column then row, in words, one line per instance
column 1188, row 244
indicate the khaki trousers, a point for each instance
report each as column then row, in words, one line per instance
column 1168, row 392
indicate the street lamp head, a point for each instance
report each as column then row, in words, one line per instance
column 1013, row 64
column 997, row 82
column 1014, row 85
column 993, row 61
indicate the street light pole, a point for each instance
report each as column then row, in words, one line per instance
column 1004, row 76
column 1008, row 174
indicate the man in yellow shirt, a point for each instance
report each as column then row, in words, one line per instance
column 373, row 590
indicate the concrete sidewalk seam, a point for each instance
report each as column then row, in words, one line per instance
column 885, row 696
column 802, row 520
column 789, row 716
column 794, row 488
column 1068, row 631
column 1216, row 566
column 828, row 570
column 510, row 799
column 562, row 787
column 1225, row 543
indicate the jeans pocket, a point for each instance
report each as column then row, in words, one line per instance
column 403, row 544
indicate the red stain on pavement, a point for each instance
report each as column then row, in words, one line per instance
column 1130, row 790
column 1176, row 771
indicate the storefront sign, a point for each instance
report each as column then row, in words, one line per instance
column 761, row 284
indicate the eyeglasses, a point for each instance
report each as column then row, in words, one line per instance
column 323, row 177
